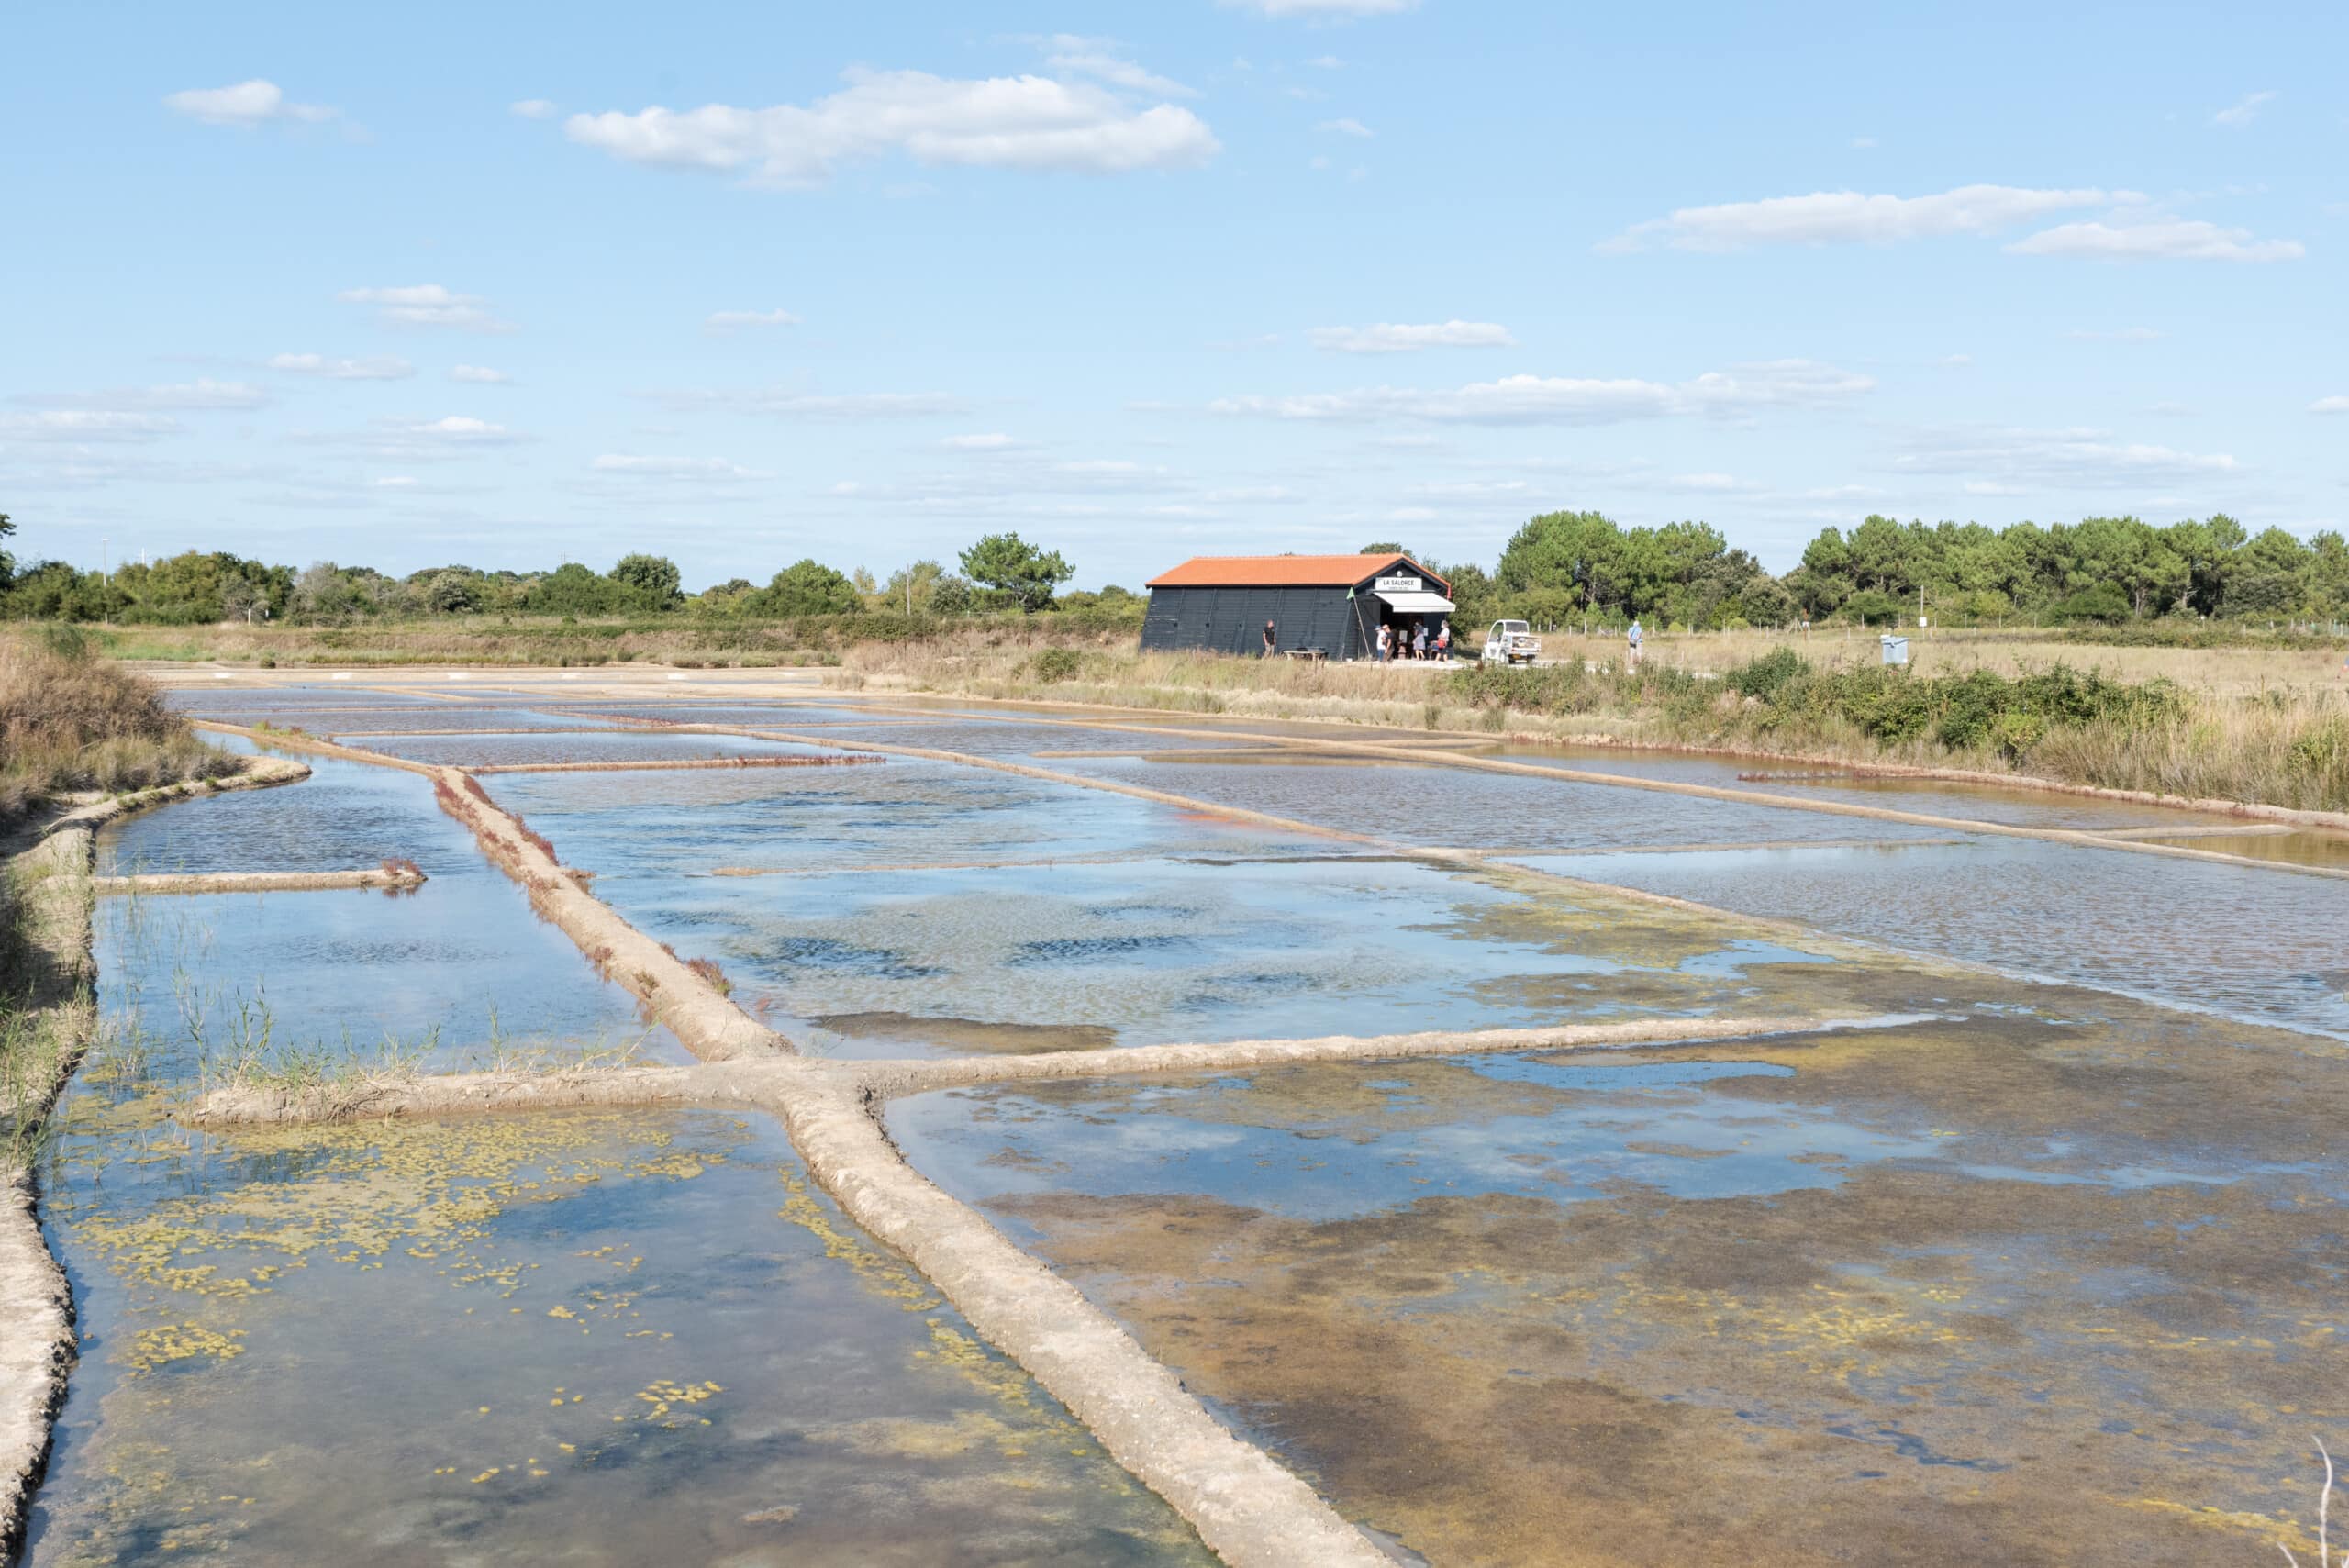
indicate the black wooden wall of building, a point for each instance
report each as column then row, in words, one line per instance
column 1231, row 620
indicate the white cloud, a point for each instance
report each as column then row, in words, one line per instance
column 813, row 405
column 461, row 428
column 382, row 367
column 1256, row 495
column 2068, row 458
column 1829, row 217
column 247, row 103
column 734, row 321
column 1319, row 10
column 624, row 466
column 198, row 395
column 1411, row 514
column 427, row 305
column 1470, row 489
column 2117, row 335
column 1393, row 338
column 2169, row 240
column 1712, row 484
column 1862, row 143
column 2241, row 113
column 533, row 109
column 1098, row 58
column 1017, row 122
column 1325, row 63
column 1957, row 361
column 1346, row 127
column 2330, row 405
column 983, row 441
column 1561, row 400
column 393, row 481
column 479, row 375
column 86, row 425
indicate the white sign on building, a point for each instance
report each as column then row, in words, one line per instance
column 1396, row 585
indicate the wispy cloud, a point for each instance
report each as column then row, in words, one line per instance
column 1014, row 122
column 1394, row 338
column 701, row 470
column 2063, row 459
column 247, row 103
column 380, row 367
column 2157, row 240
column 981, row 441
column 479, row 375
column 1324, row 10
column 428, row 304
column 2330, row 405
column 1099, row 58
column 195, row 396
column 789, row 405
column 736, row 320
column 1563, row 400
column 2242, row 112
column 1346, row 127
column 533, row 109
column 1831, row 218
column 86, row 425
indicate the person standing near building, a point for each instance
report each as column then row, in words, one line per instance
column 1380, row 643
column 1443, row 642
column 1633, row 638
column 1271, row 641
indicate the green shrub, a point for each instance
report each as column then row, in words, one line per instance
column 1055, row 664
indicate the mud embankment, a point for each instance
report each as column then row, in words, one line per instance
column 382, row 880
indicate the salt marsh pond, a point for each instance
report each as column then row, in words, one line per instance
column 2018, row 1242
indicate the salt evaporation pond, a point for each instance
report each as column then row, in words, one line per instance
column 625, row 1336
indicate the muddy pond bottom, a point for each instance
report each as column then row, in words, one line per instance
column 2056, row 1280
column 617, row 1337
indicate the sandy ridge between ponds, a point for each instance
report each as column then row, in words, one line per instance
column 37, row 1341
column 254, row 882
column 1564, row 775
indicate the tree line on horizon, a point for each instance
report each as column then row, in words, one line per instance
column 1560, row 568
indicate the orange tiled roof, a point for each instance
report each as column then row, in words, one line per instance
column 1283, row 571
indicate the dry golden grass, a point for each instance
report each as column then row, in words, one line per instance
column 2220, row 671
column 70, row 721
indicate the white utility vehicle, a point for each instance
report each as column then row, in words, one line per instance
column 1511, row 642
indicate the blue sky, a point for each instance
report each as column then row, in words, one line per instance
column 741, row 284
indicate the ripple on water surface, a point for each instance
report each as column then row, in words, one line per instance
column 2248, row 941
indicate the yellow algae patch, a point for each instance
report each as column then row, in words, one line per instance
column 2283, row 1533
column 884, row 1274
column 169, row 1343
column 427, row 1190
column 664, row 1395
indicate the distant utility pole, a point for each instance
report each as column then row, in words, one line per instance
column 106, row 581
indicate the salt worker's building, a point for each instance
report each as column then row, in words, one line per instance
column 1327, row 606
